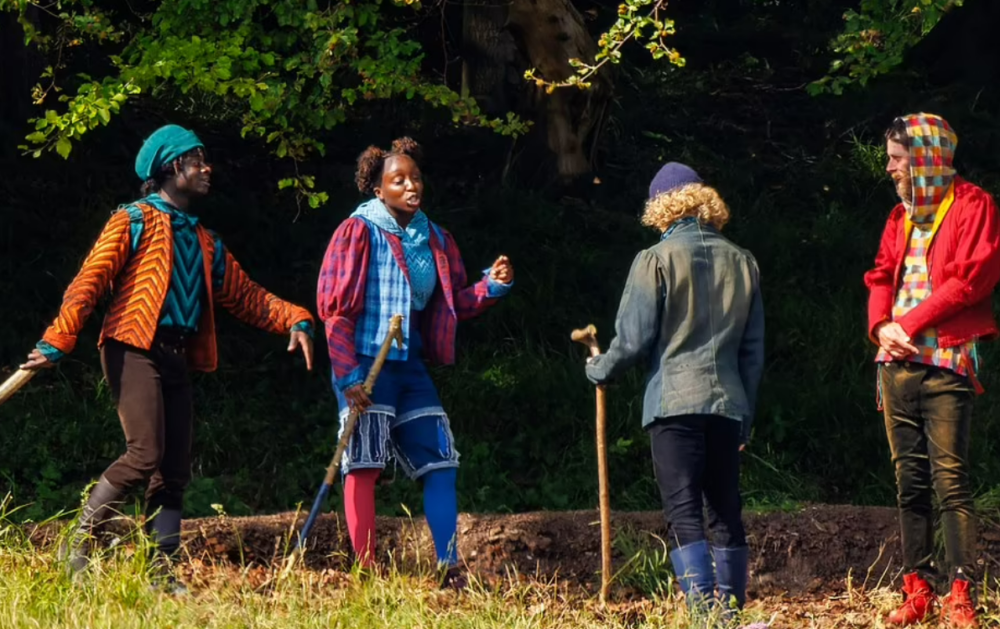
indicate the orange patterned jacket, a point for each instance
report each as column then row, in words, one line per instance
column 139, row 283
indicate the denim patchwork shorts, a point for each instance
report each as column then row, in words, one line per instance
column 406, row 421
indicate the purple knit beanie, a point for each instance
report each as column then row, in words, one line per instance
column 672, row 175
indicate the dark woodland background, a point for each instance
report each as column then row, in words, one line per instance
column 804, row 176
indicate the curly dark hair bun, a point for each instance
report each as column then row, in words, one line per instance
column 406, row 146
column 371, row 162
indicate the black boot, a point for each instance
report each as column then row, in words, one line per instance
column 164, row 531
column 101, row 505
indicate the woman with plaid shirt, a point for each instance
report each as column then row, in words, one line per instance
column 388, row 258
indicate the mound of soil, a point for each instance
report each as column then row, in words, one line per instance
column 805, row 552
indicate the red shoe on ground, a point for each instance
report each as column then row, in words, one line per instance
column 957, row 609
column 919, row 602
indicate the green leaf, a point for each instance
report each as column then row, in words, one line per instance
column 64, row 146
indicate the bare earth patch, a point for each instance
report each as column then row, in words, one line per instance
column 821, row 566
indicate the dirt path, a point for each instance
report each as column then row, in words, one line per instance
column 808, row 552
column 795, row 553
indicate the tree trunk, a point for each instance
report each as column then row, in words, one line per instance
column 549, row 33
column 489, row 55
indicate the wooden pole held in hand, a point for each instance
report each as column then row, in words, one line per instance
column 395, row 334
column 588, row 336
column 15, row 382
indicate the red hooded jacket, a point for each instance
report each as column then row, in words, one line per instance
column 963, row 266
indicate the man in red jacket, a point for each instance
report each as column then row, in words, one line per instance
column 929, row 305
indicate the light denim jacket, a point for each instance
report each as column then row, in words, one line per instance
column 692, row 310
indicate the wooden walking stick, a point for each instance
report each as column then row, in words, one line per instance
column 588, row 336
column 395, row 334
column 15, row 382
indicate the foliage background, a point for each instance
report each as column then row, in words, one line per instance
column 803, row 174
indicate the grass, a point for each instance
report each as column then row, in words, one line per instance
column 647, row 568
column 116, row 592
column 119, row 590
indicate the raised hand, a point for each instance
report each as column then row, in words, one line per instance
column 502, row 270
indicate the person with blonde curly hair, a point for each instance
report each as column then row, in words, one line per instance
column 389, row 258
column 692, row 313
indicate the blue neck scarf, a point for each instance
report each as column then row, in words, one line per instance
column 416, row 240
column 687, row 220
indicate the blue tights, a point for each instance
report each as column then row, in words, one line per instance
column 441, row 510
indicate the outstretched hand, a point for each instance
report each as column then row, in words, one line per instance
column 37, row 360
column 502, row 270
column 301, row 339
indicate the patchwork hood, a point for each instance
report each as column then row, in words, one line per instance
column 932, row 149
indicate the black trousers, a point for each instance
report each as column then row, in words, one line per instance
column 155, row 404
column 928, row 418
column 696, row 459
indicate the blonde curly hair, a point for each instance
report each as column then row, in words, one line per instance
column 696, row 199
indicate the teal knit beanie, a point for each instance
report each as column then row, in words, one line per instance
column 162, row 147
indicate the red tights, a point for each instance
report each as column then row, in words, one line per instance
column 359, row 507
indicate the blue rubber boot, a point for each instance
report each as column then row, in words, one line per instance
column 731, row 570
column 693, row 568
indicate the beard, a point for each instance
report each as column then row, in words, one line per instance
column 904, row 188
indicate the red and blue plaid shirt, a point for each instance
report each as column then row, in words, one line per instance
column 356, row 301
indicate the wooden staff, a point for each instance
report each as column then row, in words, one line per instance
column 588, row 336
column 15, row 382
column 395, row 334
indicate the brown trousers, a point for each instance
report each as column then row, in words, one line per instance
column 155, row 404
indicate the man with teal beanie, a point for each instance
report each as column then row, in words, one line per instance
column 165, row 272
column 162, row 147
